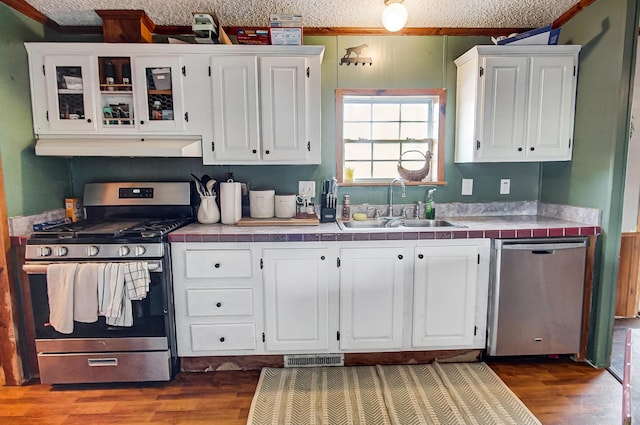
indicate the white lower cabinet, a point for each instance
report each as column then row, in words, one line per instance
column 372, row 282
column 311, row 297
column 296, row 299
column 447, row 287
column 217, row 298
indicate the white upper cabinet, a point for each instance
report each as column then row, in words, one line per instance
column 226, row 104
column 265, row 108
column 235, row 114
column 159, row 91
column 69, row 103
column 516, row 103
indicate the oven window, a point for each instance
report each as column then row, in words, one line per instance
column 148, row 315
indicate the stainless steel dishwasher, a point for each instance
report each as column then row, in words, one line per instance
column 536, row 296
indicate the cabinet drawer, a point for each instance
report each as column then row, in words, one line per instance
column 235, row 336
column 222, row 263
column 219, row 302
column 73, row 368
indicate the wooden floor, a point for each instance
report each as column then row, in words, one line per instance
column 556, row 391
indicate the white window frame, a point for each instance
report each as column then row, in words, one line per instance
column 436, row 142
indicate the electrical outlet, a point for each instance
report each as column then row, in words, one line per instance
column 505, row 186
column 467, row 186
column 307, row 188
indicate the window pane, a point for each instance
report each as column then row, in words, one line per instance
column 361, row 170
column 354, row 151
column 385, row 170
column 415, row 112
column 355, row 131
column 357, row 112
column 386, row 112
column 386, row 151
column 387, row 130
column 422, row 147
column 414, row 130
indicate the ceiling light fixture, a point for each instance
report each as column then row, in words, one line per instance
column 394, row 16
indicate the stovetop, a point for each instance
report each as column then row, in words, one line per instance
column 111, row 230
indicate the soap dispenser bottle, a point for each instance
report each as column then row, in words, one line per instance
column 430, row 206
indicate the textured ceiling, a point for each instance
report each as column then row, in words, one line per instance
column 320, row 13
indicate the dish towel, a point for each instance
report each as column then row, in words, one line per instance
column 60, row 289
column 136, row 279
column 85, row 293
column 113, row 299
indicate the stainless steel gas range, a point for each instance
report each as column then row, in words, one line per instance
column 101, row 289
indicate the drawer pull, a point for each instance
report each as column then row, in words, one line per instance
column 216, row 265
column 102, row 362
column 222, row 339
column 218, row 305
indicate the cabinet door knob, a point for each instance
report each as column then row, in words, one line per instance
column 532, row 149
column 88, row 119
column 519, row 149
column 221, row 339
column 400, row 257
column 420, row 256
column 322, row 257
column 254, row 151
column 142, row 122
column 216, row 265
column 266, row 152
column 218, row 305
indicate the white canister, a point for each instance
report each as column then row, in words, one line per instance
column 261, row 203
column 230, row 202
column 285, row 206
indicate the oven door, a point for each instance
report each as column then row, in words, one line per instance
column 98, row 352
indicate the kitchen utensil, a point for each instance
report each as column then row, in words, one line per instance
column 209, row 186
column 261, row 203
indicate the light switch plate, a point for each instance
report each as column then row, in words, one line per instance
column 467, row 187
column 307, row 188
column 505, row 186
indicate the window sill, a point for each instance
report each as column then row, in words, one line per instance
column 383, row 183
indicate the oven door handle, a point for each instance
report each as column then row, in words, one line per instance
column 41, row 268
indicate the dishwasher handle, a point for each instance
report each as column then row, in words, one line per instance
column 540, row 244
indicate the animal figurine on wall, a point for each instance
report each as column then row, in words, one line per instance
column 357, row 51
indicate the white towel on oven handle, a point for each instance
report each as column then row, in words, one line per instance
column 85, row 293
column 113, row 300
column 60, row 288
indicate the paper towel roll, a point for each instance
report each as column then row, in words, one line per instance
column 230, row 202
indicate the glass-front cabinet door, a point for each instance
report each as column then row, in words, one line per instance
column 70, row 101
column 160, row 93
column 117, row 108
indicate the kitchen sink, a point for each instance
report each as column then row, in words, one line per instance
column 393, row 224
column 364, row 224
column 426, row 223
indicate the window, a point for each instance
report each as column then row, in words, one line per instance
column 377, row 128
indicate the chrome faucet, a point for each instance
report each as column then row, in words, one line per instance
column 404, row 193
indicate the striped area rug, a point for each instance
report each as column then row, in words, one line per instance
column 444, row 394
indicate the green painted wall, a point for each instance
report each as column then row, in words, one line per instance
column 32, row 184
column 608, row 32
column 398, row 62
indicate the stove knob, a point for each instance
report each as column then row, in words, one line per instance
column 45, row 251
column 123, row 251
column 139, row 250
column 60, row 251
column 92, row 250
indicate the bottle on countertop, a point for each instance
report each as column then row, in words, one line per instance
column 346, row 208
column 430, row 206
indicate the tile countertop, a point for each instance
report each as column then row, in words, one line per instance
column 495, row 220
